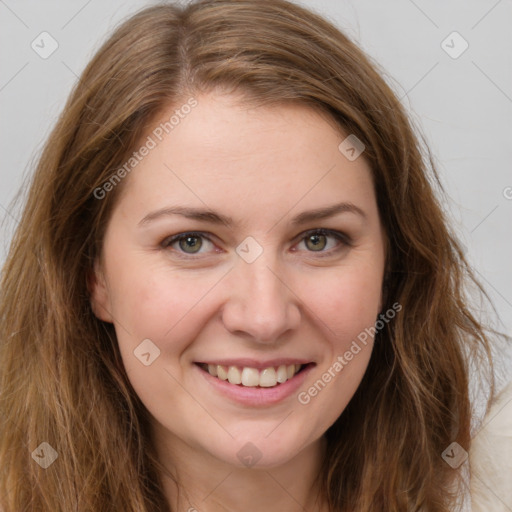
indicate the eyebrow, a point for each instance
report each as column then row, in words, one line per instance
column 213, row 217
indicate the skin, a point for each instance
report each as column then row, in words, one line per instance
column 262, row 167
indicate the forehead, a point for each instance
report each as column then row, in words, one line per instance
column 224, row 152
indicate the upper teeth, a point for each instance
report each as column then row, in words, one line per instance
column 252, row 377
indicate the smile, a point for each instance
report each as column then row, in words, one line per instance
column 252, row 377
column 253, row 383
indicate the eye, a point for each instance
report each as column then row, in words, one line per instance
column 317, row 240
column 188, row 243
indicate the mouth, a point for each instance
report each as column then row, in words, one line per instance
column 252, row 377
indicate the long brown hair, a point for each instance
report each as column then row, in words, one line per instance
column 62, row 380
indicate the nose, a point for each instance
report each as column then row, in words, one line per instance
column 261, row 304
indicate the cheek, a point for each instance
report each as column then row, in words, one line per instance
column 155, row 320
column 160, row 305
column 348, row 306
column 347, row 302
column 151, row 300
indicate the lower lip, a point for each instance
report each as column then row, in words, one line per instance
column 256, row 396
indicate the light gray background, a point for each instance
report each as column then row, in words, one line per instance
column 462, row 105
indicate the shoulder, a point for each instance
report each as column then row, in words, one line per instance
column 490, row 457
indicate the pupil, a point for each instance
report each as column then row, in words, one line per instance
column 315, row 239
column 191, row 242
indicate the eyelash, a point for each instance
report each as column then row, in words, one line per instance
column 338, row 235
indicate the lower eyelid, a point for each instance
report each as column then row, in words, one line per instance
column 342, row 242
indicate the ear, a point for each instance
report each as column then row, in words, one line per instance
column 99, row 296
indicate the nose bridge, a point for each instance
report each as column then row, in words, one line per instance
column 260, row 303
column 265, row 289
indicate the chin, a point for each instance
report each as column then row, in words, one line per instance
column 253, row 449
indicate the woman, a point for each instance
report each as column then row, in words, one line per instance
column 232, row 285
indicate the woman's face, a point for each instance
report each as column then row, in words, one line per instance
column 255, row 298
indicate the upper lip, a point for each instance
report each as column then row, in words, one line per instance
column 253, row 363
